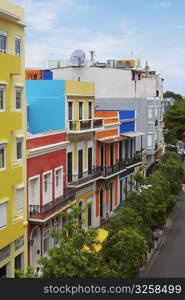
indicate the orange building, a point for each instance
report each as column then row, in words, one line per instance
column 31, row 74
column 115, row 164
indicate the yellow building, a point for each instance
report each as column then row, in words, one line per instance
column 81, row 158
column 13, row 204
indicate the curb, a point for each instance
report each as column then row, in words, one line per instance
column 152, row 254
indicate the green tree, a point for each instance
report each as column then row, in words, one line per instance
column 173, row 171
column 174, row 119
column 124, row 252
column 75, row 255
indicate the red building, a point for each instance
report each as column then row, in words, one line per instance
column 47, row 190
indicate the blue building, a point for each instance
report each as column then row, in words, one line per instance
column 46, row 105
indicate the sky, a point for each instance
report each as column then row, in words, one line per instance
column 152, row 30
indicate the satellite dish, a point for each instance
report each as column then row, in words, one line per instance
column 77, row 58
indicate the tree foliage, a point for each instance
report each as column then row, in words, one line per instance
column 174, row 119
column 124, row 252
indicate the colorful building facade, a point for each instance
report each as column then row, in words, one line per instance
column 70, row 105
column 48, row 193
column 117, row 158
column 13, row 204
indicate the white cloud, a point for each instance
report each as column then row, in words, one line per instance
column 42, row 16
column 161, row 5
column 179, row 27
column 165, row 4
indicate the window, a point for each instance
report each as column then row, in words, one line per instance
column 47, row 187
column 2, row 156
column 149, row 140
column 47, row 240
column 2, row 98
column 90, row 110
column 4, row 252
column 157, row 93
column 3, row 41
column 17, row 46
column 150, row 113
column 3, row 214
column 18, row 99
column 19, row 148
column 19, row 243
column 34, row 191
column 20, row 198
column 59, row 182
column 156, row 111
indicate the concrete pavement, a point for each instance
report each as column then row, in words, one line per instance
column 169, row 259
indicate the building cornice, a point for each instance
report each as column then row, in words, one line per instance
column 46, row 149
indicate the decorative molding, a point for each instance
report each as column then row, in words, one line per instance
column 46, row 149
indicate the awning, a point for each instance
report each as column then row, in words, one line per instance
column 132, row 133
column 113, row 139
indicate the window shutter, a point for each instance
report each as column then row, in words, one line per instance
column 20, row 199
column 3, row 214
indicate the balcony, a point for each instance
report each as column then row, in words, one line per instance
column 85, row 177
column 111, row 170
column 42, row 212
column 134, row 160
column 84, row 125
column 121, row 166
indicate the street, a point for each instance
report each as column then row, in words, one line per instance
column 169, row 259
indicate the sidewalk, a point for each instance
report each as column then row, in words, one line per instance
column 151, row 256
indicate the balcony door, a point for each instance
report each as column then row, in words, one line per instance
column 80, row 110
column 102, row 156
column 111, row 155
column 70, row 111
column 131, row 148
column 120, row 150
column 89, row 161
column 111, row 197
column 69, row 166
column 70, row 114
column 126, row 150
column 101, row 204
column 80, row 164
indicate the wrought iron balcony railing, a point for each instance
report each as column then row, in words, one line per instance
column 121, row 165
column 134, row 160
column 84, row 177
column 43, row 211
column 107, row 171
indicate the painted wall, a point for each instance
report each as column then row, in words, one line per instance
column 113, row 83
column 12, row 125
column 47, row 75
column 143, row 123
column 49, row 139
column 46, row 105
